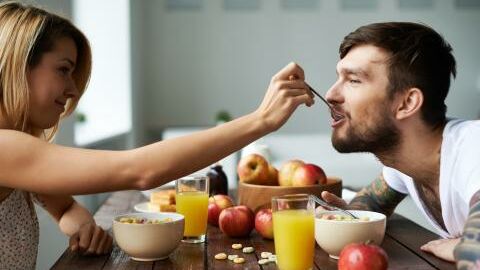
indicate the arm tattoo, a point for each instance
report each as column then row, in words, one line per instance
column 378, row 197
column 467, row 252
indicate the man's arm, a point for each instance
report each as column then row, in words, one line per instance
column 378, row 197
column 467, row 252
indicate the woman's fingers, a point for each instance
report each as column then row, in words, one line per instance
column 287, row 90
column 85, row 235
column 105, row 244
column 292, row 69
column 73, row 242
column 96, row 239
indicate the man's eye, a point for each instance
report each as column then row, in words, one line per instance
column 354, row 81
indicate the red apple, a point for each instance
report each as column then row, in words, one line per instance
column 253, row 169
column 264, row 223
column 236, row 221
column 216, row 204
column 273, row 176
column 287, row 170
column 359, row 256
column 308, row 174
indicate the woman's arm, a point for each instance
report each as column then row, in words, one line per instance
column 76, row 222
column 30, row 164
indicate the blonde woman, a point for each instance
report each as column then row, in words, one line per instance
column 45, row 65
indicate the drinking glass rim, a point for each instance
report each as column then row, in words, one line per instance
column 293, row 197
column 193, row 177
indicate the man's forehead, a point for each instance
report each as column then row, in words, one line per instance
column 362, row 60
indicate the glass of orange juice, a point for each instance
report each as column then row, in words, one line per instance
column 293, row 231
column 192, row 202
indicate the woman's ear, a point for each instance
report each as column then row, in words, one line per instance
column 409, row 103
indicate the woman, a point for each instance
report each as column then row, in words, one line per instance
column 45, row 65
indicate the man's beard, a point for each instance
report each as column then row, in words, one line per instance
column 379, row 139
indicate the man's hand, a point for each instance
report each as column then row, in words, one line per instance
column 91, row 239
column 332, row 199
column 442, row 248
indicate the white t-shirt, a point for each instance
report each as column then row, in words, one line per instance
column 459, row 176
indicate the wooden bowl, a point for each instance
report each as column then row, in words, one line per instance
column 257, row 197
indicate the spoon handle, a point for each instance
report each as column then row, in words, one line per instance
column 331, row 207
column 318, row 95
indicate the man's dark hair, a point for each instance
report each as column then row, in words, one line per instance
column 419, row 57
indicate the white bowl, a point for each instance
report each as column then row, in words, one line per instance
column 149, row 242
column 333, row 235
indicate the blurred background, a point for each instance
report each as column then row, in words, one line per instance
column 170, row 66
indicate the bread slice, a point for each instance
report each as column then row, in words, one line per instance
column 163, row 196
column 163, row 201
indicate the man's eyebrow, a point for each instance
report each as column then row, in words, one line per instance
column 352, row 71
column 355, row 71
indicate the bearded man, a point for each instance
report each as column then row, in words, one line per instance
column 389, row 99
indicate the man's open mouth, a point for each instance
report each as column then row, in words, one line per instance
column 336, row 115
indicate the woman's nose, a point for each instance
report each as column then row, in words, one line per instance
column 71, row 91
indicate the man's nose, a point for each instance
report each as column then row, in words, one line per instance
column 332, row 94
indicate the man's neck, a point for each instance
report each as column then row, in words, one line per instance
column 418, row 155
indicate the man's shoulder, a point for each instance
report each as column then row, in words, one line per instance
column 460, row 127
column 462, row 133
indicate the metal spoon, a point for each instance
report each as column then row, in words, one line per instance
column 331, row 207
column 333, row 113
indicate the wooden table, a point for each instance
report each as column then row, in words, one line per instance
column 402, row 243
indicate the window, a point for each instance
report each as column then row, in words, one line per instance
column 106, row 104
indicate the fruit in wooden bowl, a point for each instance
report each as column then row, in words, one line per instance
column 260, row 181
column 257, row 197
column 254, row 169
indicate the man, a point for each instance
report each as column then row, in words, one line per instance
column 389, row 96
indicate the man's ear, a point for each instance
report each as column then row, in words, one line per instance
column 409, row 103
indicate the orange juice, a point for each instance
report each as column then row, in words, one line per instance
column 194, row 206
column 294, row 239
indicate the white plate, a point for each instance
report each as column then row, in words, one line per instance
column 143, row 207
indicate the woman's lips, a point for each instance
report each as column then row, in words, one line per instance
column 61, row 105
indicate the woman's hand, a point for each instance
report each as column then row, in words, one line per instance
column 287, row 90
column 91, row 239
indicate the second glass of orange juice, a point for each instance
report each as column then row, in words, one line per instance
column 293, row 229
column 192, row 202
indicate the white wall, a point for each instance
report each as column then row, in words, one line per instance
column 197, row 62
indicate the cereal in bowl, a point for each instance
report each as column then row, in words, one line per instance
column 340, row 217
column 136, row 220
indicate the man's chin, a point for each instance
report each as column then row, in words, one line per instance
column 341, row 145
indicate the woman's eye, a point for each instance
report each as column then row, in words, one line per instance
column 64, row 70
column 354, row 81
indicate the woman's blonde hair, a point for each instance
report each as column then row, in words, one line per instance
column 26, row 33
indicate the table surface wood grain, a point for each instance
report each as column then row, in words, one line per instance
column 402, row 243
